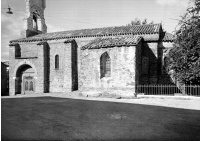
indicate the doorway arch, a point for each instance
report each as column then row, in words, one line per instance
column 25, row 80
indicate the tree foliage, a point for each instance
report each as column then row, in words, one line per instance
column 185, row 56
column 138, row 22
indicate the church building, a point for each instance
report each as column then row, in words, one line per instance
column 102, row 59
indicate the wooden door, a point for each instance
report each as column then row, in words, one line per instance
column 29, row 84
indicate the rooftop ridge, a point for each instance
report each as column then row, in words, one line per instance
column 95, row 32
column 104, row 27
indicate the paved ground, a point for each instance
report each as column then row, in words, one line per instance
column 53, row 118
column 183, row 102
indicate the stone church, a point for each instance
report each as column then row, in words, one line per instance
column 102, row 59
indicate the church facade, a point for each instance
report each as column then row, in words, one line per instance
column 103, row 59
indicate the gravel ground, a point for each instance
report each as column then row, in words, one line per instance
column 57, row 118
column 183, row 102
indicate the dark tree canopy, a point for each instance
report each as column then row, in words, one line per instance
column 185, row 56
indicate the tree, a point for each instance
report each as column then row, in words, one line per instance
column 145, row 21
column 185, row 56
column 138, row 22
column 135, row 22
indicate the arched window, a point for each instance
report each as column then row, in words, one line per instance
column 105, row 66
column 56, row 62
column 35, row 25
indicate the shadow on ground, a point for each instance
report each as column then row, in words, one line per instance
column 50, row 118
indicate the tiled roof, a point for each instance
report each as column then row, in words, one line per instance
column 112, row 42
column 13, row 44
column 96, row 32
column 168, row 37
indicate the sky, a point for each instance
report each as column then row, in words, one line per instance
column 62, row 15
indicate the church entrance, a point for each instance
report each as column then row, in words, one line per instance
column 29, row 84
column 25, row 80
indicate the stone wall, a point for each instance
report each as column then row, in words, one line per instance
column 74, row 59
column 31, row 55
column 154, row 52
column 164, row 77
column 81, row 42
column 80, row 69
column 149, row 63
column 46, row 54
column 61, row 79
column 42, row 59
column 153, row 64
column 123, row 73
column 57, row 77
column 138, row 63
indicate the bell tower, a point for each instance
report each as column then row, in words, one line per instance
column 34, row 23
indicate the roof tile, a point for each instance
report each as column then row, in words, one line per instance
column 99, row 32
column 112, row 41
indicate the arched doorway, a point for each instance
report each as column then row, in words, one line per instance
column 25, row 82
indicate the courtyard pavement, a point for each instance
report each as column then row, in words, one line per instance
column 183, row 102
column 55, row 118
